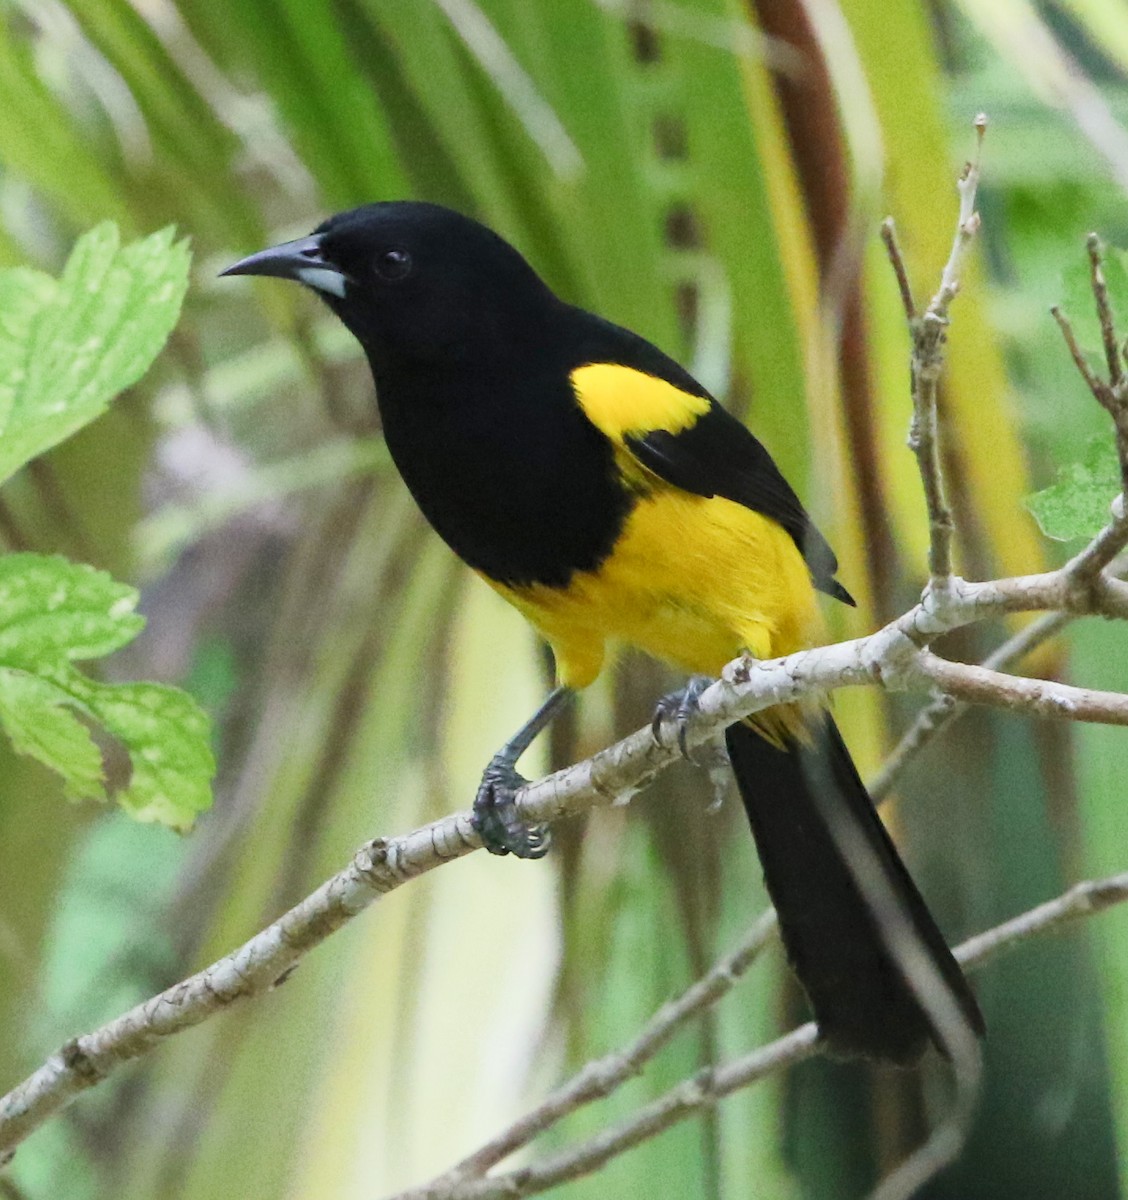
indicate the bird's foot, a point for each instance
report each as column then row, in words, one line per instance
column 679, row 708
column 495, row 814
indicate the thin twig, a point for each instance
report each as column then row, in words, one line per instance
column 1082, row 900
column 897, row 259
column 601, row 1076
column 1095, row 384
column 1085, row 568
column 895, row 657
column 1104, row 308
column 929, row 335
column 704, row 1089
column 967, row 226
column 1037, row 697
column 944, row 710
column 931, row 721
column 1084, row 571
column 687, row 1099
column 1112, row 394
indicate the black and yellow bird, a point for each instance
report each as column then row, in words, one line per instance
column 603, row 492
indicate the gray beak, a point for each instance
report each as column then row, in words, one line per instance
column 300, row 260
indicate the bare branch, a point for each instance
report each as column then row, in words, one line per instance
column 931, row 721
column 1111, row 395
column 897, row 260
column 707, row 1087
column 1104, row 308
column 687, row 1099
column 1082, row 900
column 1094, row 382
column 1083, row 572
column 1038, row 697
column 895, row 657
column 929, row 333
column 945, row 709
column 601, row 1076
column 967, row 227
column 924, row 444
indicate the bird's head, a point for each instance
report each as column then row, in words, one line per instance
column 416, row 282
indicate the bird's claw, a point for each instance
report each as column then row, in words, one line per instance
column 495, row 815
column 679, row 708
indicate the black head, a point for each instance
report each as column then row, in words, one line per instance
column 417, row 282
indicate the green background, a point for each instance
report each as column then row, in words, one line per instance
column 721, row 194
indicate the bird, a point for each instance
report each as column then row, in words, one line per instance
column 601, row 490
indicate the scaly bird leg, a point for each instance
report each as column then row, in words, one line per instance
column 495, row 809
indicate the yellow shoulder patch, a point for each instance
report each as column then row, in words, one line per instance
column 619, row 401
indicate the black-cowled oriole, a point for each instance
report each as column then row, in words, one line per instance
column 602, row 491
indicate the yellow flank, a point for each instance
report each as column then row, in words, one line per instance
column 619, row 400
column 694, row 581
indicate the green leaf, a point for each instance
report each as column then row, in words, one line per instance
column 166, row 734
column 24, row 294
column 1077, row 505
column 53, row 611
column 67, row 347
column 33, row 714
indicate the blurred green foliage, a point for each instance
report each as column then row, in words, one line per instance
column 53, row 612
column 67, row 347
column 663, row 163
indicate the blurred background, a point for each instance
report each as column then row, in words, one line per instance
column 711, row 173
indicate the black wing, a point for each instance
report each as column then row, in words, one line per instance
column 718, row 456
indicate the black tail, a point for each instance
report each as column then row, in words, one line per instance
column 860, row 997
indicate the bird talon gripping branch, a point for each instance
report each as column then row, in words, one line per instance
column 679, row 708
column 495, row 815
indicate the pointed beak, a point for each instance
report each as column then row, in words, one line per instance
column 300, row 260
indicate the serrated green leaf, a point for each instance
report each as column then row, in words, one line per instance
column 34, row 715
column 167, row 736
column 68, row 347
column 53, row 611
column 24, row 294
column 1077, row 505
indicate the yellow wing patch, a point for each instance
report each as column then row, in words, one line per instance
column 619, row 401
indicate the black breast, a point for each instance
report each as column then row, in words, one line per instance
column 506, row 468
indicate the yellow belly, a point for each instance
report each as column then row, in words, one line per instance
column 692, row 581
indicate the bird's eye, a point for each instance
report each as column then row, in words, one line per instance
column 392, row 265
